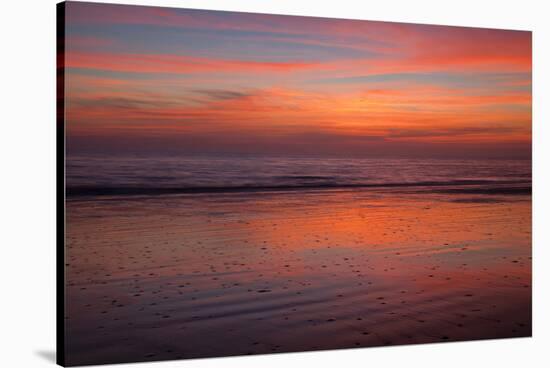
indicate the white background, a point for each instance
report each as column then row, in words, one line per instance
column 27, row 179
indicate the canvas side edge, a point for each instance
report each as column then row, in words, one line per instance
column 60, row 184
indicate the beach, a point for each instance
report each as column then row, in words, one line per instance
column 193, row 275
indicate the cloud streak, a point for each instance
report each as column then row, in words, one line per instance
column 291, row 82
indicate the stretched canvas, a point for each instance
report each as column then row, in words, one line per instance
column 235, row 183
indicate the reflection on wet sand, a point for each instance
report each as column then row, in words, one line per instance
column 167, row 277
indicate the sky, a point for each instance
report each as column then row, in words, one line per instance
column 150, row 80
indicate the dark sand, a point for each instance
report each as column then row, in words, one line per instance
column 204, row 275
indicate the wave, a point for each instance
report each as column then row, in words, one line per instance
column 449, row 187
column 511, row 190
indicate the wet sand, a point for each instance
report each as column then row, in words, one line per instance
column 204, row 275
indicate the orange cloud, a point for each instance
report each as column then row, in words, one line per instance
column 436, row 115
column 140, row 63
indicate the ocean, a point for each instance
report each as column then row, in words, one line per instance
column 127, row 175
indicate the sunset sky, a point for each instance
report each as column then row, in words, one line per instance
column 162, row 80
